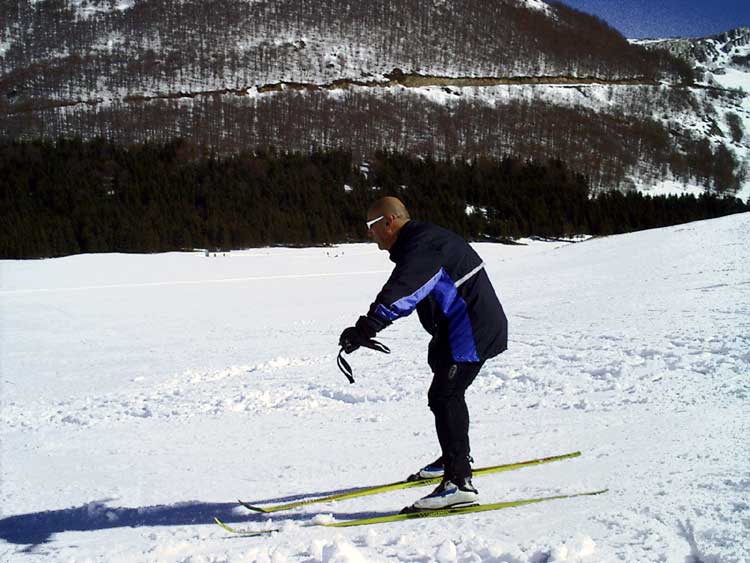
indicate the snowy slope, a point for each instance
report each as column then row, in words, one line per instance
column 142, row 394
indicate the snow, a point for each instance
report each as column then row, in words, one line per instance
column 85, row 9
column 672, row 187
column 471, row 209
column 733, row 78
column 142, row 394
column 538, row 5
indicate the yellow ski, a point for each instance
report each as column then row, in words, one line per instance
column 398, row 517
column 378, row 489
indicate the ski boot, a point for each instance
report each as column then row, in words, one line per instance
column 429, row 471
column 449, row 494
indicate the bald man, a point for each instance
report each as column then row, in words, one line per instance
column 443, row 278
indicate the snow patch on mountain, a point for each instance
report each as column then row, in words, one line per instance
column 538, row 5
column 85, row 9
column 732, row 78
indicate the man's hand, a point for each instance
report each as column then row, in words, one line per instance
column 361, row 334
column 351, row 339
column 363, row 331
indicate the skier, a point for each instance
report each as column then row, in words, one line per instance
column 442, row 277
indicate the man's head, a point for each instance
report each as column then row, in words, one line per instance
column 385, row 218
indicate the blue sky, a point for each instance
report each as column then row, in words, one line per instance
column 668, row 18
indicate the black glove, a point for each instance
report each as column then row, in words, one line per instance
column 360, row 334
column 363, row 331
column 351, row 339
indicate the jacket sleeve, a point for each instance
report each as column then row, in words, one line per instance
column 414, row 277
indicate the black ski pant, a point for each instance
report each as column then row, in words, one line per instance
column 447, row 402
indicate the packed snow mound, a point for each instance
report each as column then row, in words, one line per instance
column 143, row 394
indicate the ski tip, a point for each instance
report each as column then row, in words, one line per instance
column 223, row 525
column 253, row 508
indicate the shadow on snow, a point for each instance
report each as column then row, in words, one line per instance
column 38, row 528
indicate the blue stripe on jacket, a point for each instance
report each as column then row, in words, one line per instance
column 444, row 290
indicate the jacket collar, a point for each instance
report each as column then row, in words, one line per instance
column 403, row 235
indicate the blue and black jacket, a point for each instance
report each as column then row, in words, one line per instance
column 443, row 278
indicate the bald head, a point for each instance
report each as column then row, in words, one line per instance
column 390, row 214
column 389, row 205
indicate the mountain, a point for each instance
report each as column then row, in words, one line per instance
column 708, row 54
column 721, row 66
column 444, row 77
column 720, row 60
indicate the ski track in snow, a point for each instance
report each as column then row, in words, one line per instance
column 142, row 407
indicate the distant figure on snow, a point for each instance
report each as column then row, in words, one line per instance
column 442, row 277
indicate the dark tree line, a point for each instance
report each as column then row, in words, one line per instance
column 75, row 196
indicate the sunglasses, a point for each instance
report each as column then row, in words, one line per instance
column 371, row 222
